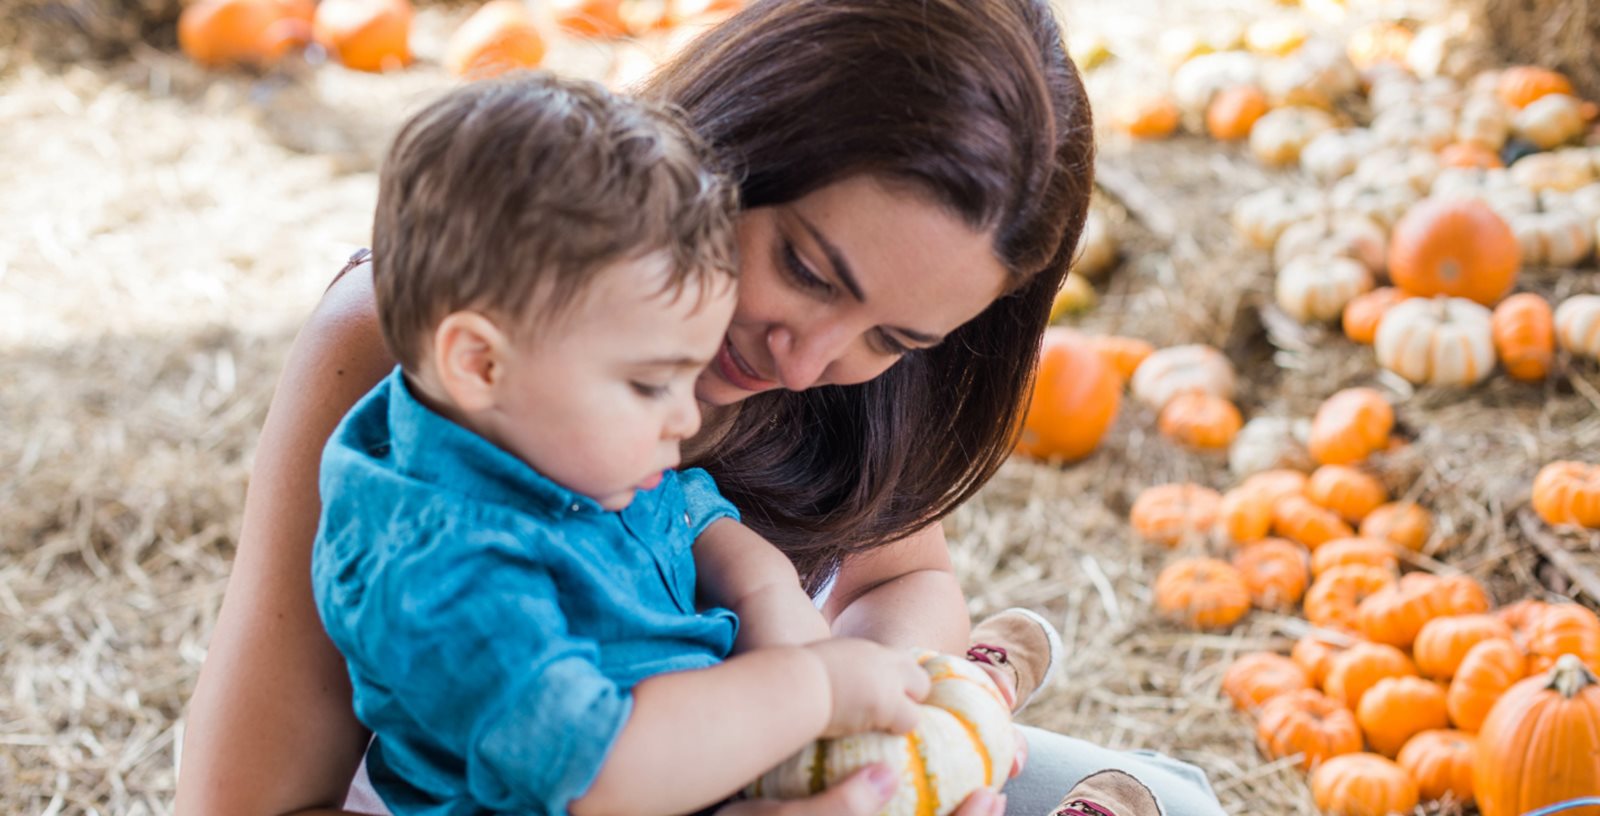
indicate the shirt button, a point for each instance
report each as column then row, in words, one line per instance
column 686, row 519
column 576, row 508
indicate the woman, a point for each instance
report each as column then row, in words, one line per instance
column 915, row 174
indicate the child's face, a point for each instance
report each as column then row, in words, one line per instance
column 600, row 400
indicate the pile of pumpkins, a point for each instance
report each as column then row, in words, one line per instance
column 375, row 35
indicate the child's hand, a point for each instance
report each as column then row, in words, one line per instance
column 873, row 687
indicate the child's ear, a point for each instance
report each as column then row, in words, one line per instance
column 469, row 354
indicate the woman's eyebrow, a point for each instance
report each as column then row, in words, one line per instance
column 841, row 267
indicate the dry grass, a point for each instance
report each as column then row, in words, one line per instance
column 170, row 228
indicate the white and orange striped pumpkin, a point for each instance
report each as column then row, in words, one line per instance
column 1436, row 341
column 963, row 742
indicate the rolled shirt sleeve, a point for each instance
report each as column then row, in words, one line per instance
column 704, row 503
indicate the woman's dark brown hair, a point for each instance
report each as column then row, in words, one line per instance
column 974, row 104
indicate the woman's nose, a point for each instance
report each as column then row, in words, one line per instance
column 802, row 359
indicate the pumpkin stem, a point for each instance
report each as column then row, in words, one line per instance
column 1570, row 676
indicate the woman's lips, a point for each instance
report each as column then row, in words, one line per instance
column 735, row 370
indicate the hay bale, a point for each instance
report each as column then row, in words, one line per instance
column 1559, row 34
column 64, row 31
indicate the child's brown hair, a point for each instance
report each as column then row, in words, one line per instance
column 507, row 196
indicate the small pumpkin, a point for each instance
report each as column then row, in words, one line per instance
column 1460, row 248
column 1426, row 126
column 1382, row 201
column 1262, row 216
column 1076, row 296
column 1268, row 443
column 1255, row 678
column 1275, row 36
column 1300, row 519
column 1203, row 593
column 1197, row 81
column 1097, row 248
column 1561, row 171
column 1550, row 121
column 1565, row 628
column 1568, row 493
column 963, row 741
column 1395, row 614
column 1578, row 325
column 1523, row 327
column 1469, row 154
column 1124, row 354
column 1440, row 760
column 1406, row 524
column 1315, row 653
column 1364, row 311
column 1372, row 552
column 1316, row 289
column 1363, row 785
column 1307, row 723
column 1540, row 743
column 1170, row 514
column 1347, row 491
column 1437, row 341
column 1175, row 370
column 1357, row 669
column 1522, row 85
column 1277, row 137
column 1552, row 237
column 1075, row 400
column 591, row 18
column 1334, row 154
column 1456, row 594
column 1349, row 426
column 1520, row 616
column 365, row 35
column 1245, row 516
column 500, row 36
column 1443, row 642
column 1274, row 570
column 1485, row 124
column 1486, row 671
column 1200, row 420
column 1233, row 112
column 1333, row 236
column 1333, row 598
column 1277, row 483
column 220, row 33
column 1315, row 77
column 1380, row 41
column 1146, row 115
column 1396, row 709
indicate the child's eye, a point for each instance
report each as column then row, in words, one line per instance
column 648, row 390
column 797, row 271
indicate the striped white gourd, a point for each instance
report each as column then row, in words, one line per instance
column 1436, row 341
column 1578, row 325
column 963, row 742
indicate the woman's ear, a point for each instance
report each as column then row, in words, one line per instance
column 470, row 356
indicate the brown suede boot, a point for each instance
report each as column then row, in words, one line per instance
column 1019, row 643
column 1109, row 793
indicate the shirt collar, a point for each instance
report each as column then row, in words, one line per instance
column 436, row 450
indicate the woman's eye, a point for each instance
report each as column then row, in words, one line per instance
column 648, row 390
column 799, row 273
column 891, row 345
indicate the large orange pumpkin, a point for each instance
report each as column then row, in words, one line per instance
column 1460, row 248
column 499, row 37
column 1541, row 743
column 217, row 33
column 366, row 35
column 1075, row 400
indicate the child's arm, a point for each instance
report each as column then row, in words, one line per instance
column 740, row 570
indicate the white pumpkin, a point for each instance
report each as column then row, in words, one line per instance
column 1558, row 235
column 1436, row 341
column 963, row 741
column 1494, row 187
column 1199, row 79
column 1275, row 36
column 1411, row 166
column 1550, row 120
column 1586, row 200
column 1383, row 203
column 1262, row 216
column 1424, row 126
column 1578, row 325
column 1316, row 289
column 1278, row 136
column 1561, row 171
column 1318, row 75
column 1483, row 121
column 1270, row 443
column 1334, row 236
column 1176, row 370
column 1097, row 250
column 1334, row 154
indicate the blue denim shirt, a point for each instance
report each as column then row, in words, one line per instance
column 494, row 623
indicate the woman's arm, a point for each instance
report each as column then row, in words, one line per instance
column 902, row 594
column 270, row 728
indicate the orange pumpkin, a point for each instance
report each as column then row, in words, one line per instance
column 1443, row 642
column 1202, row 592
column 1275, row 572
column 1335, row 595
column 1396, row 709
column 1276, row 484
column 1172, row 513
column 1245, row 515
column 1362, row 313
column 1455, row 247
column 1521, row 85
column 366, row 35
column 1565, row 628
column 1440, row 761
column 1349, row 426
column 1356, row 669
column 1257, row 677
column 1315, row 654
column 1395, row 615
column 1299, row 519
column 1407, row 524
column 1123, row 353
column 1146, row 116
column 1307, row 723
column 500, row 36
column 1201, row 420
column 219, row 33
column 1524, row 330
column 1075, row 400
column 1234, row 111
column 1520, row 616
column 1347, row 491
column 591, row 18
column 1362, row 785
column 1469, row 154
column 1541, row 743
column 1568, row 493
column 1457, row 595
column 1374, row 552
column 1486, row 671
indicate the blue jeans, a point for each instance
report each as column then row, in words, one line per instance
column 1057, row 762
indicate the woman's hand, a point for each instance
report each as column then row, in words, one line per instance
column 863, row 793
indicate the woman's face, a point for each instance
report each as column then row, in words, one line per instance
column 837, row 286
